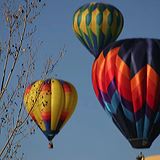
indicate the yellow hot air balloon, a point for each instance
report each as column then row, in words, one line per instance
column 50, row 103
column 154, row 157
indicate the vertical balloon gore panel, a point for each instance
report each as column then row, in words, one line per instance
column 70, row 103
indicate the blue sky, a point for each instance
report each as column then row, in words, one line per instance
column 90, row 134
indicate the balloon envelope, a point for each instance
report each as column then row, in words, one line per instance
column 126, row 80
column 50, row 104
column 155, row 157
column 96, row 25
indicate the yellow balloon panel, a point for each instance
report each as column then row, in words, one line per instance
column 57, row 103
column 31, row 101
column 70, row 103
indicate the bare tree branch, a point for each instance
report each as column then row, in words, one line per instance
column 18, row 60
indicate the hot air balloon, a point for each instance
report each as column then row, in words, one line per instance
column 126, row 81
column 50, row 103
column 154, row 157
column 96, row 25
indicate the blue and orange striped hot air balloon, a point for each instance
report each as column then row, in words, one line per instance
column 126, row 80
column 50, row 103
column 96, row 25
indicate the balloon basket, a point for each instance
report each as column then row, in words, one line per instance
column 50, row 145
column 140, row 157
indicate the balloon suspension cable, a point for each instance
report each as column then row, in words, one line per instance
column 50, row 145
column 140, row 156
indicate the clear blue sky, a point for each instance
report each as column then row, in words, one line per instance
column 90, row 134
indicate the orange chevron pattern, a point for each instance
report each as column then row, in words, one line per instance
column 100, row 65
column 138, row 89
column 104, row 69
column 122, row 77
column 143, row 88
column 153, row 88
column 110, row 67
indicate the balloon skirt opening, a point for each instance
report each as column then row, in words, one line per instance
column 140, row 143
